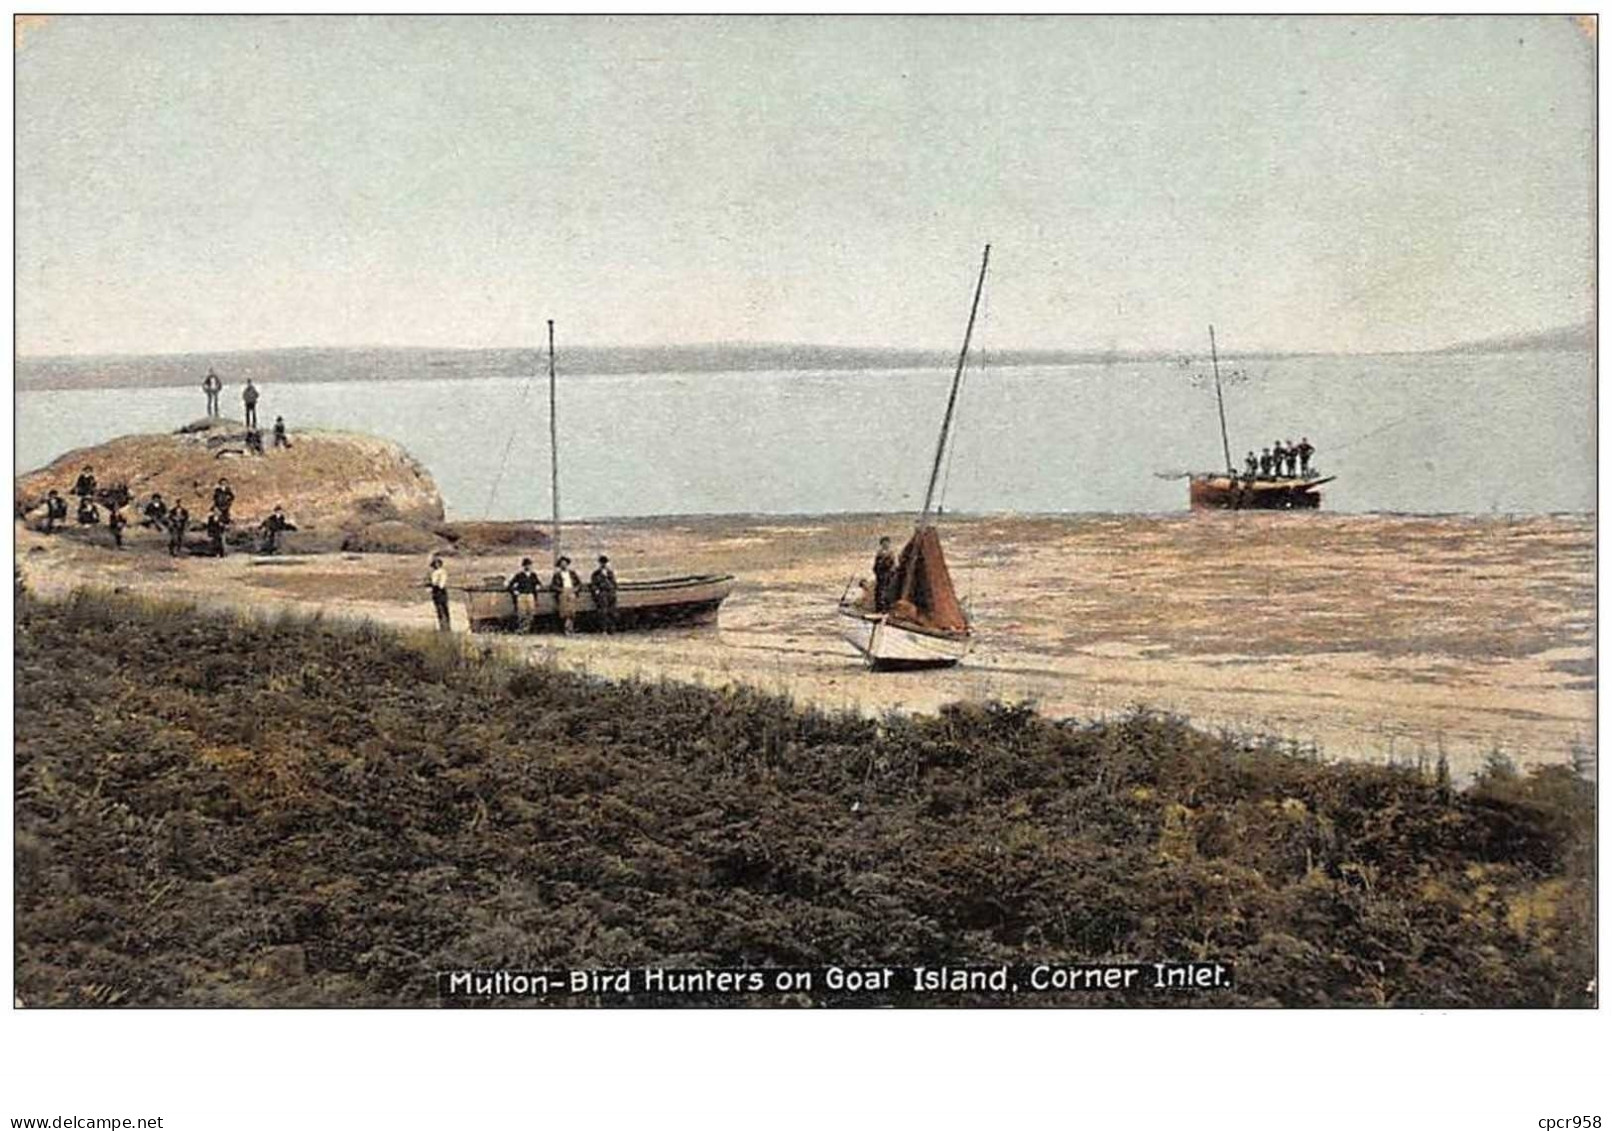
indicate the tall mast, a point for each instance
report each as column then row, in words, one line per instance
column 554, row 446
column 951, row 402
column 1220, row 400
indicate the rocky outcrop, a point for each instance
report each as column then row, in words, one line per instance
column 335, row 486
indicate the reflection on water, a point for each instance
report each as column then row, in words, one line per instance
column 1510, row 433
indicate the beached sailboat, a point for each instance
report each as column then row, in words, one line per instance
column 925, row 625
column 1213, row 490
column 661, row 602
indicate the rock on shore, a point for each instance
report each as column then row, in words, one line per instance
column 339, row 488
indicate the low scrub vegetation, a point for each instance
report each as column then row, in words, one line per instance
column 223, row 811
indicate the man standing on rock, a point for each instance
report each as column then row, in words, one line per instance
column 274, row 526
column 215, row 533
column 178, row 519
column 212, row 386
column 438, row 581
column 249, row 399
column 84, row 485
column 280, row 440
column 223, row 499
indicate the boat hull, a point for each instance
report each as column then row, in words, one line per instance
column 887, row 646
column 1219, row 492
column 640, row 605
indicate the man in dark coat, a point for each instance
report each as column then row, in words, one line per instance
column 1251, row 466
column 280, row 440
column 84, row 485
column 115, row 522
column 884, row 575
column 155, row 512
column 1265, row 462
column 55, row 511
column 1278, row 457
column 88, row 513
column 215, row 533
column 524, row 586
column 223, row 500
column 249, row 399
column 1306, row 450
column 178, row 520
column 1292, row 453
column 274, row 526
column 603, row 587
column 211, row 385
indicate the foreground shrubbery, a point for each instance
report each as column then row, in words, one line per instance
column 216, row 811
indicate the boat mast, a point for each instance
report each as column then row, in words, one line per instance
column 554, row 447
column 1220, row 400
column 951, row 402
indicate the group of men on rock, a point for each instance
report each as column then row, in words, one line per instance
column 157, row 515
column 212, row 385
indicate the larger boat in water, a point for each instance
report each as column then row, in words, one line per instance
column 1214, row 490
column 656, row 603
column 924, row 625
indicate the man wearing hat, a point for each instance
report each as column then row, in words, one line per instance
column 437, row 579
column 523, row 587
column 603, row 587
column 565, row 584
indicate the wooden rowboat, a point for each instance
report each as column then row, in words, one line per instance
column 639, row 604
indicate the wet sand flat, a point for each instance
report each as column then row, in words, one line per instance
column 1369, row 636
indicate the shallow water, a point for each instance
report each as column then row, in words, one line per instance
column 1495, row 433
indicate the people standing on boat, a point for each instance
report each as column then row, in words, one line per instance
column 115, row 522
column 1306, row 450
column 603, row 587
column 215, row 532
column 280, row 440
column 565, row 584
column 84, row 485
column 437, row 579
column 178, row 519
column 1265, row 463
column 524, row 586
column 1292, row 459
column 249, row 399
column 212, row 386
column 274, row 526
column 1251, row 466
column 223, row 500
column 884, row 574
column 155, row 512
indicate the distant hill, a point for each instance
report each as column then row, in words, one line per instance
column 405, row 364
column 392, row 363
column 1560, row 338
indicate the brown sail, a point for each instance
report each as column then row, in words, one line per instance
column 927, row 598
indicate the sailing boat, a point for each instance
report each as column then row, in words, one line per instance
column 1211, row 490
column 925, row 625
column 658, row 603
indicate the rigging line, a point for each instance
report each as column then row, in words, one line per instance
column 951, row 450
column 514, row 428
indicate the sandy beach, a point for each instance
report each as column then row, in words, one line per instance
column 1371, row 637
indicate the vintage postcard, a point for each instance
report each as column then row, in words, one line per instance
column 751, row 512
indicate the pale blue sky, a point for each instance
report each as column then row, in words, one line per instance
column 213, row 183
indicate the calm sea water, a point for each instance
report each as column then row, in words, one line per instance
column 1506, row 433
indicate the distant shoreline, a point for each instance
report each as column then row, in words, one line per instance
column 304, row 365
